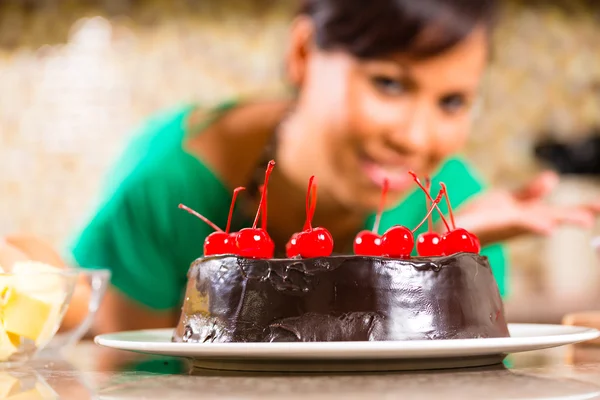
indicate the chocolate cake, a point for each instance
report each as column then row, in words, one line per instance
column 340, row 298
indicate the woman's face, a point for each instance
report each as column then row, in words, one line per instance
column 367, row 120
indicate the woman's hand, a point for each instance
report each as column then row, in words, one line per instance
column 500, row 215
column 9, row 255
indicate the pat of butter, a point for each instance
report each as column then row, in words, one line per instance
column 9, row 385
column 39, row 281
column 37, row 287
column 24, row 315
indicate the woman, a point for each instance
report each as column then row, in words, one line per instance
column 382, row 87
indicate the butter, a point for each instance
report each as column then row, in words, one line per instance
column 24, row 315
column 37, row 280
column 32, row 302
column 9, row 385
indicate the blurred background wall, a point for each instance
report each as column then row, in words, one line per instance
column 77, row 76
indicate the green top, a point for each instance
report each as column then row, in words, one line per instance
column 148, row 243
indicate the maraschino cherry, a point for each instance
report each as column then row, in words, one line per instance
column 311, row 242
column 255, row 242
column 368, row 243
column 458, row 239
column 399, row 241
column 218, row 242
column 428, row 243
column 455, row 240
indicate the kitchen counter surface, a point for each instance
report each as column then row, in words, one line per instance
column 91, row 372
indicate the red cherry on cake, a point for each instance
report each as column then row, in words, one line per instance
column 455, row 240
column 459, row 241
column 218, row 242
column 316, row 242
column 368, row 243
column 255, row 242
column 429, row 244
column 397, row 242
column 311, row 242
column 292, row 246
column 476, row 243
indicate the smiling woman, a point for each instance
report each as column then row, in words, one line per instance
column 382, row 87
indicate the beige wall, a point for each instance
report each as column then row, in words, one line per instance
column 72, row 88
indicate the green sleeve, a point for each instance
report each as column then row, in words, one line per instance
column 140, row 234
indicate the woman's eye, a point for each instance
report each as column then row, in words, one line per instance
column 388, row 86
column 453, row 103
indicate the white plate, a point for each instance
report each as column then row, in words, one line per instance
column 351, row 356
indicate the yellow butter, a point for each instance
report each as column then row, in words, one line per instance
column 6, row 284
column 51, row 324
column 23, row 315
column 15, row 340
column 9, row 385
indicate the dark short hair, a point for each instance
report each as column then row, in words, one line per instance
column 375, row 28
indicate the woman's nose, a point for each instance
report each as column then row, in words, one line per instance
column 411, row 134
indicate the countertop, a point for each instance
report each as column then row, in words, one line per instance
column 92, row 372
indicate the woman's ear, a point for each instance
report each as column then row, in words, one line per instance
column 299, row 48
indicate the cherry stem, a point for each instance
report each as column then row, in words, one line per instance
column 430, row 199
column 434, row 205
column 232, row 207
column 429, row 220
column 311, row 203
column 443, row 185
column 263, row 211
column 202, row 217
column 262, row 206
column 386, row 187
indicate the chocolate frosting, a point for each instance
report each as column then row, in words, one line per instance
column 340, row 298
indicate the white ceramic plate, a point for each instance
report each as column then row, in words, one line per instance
column 351, row 356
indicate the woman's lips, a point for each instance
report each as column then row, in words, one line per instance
column 398, row 177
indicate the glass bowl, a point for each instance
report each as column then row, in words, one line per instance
column 32, row 306
column 97, row 281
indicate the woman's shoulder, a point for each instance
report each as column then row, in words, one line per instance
column 232, row 142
